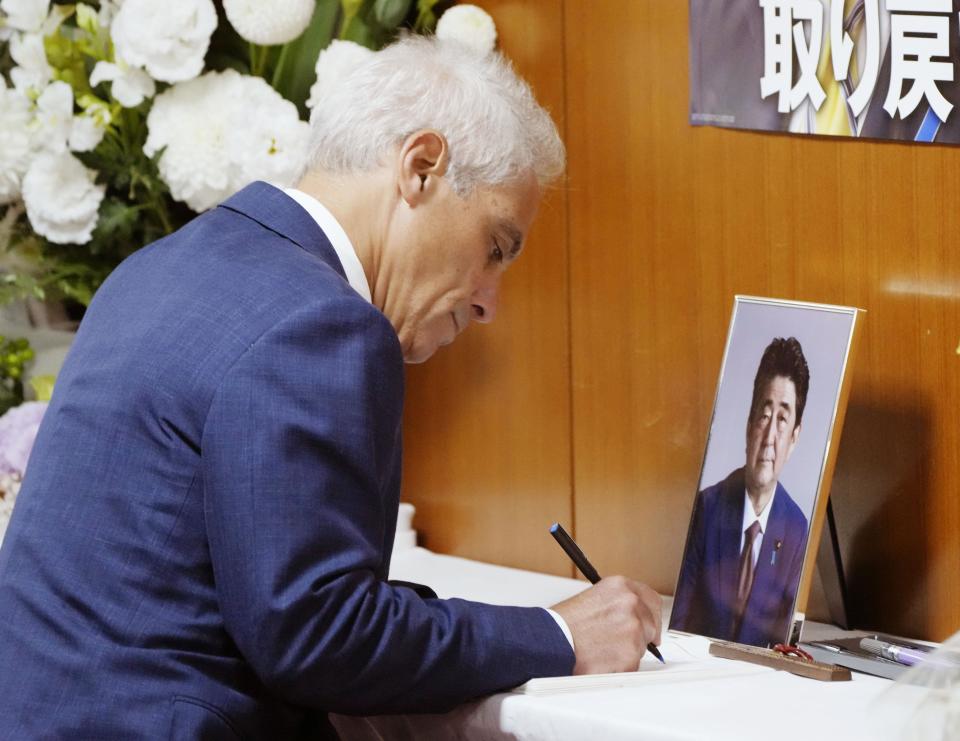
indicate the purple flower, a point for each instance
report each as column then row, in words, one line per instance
column 18, row 430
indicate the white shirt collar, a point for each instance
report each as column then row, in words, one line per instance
column 749, row 516
column 338, row 239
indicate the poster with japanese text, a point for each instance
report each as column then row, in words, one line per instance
column 883, row 69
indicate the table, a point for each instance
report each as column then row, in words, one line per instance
column 710, row 698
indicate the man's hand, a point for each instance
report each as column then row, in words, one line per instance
column 612, row 623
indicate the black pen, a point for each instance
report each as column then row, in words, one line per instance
column 586, row 568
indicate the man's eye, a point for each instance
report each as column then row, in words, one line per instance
column 496, row 254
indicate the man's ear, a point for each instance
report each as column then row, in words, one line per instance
column 423, row 158
column 794, row 437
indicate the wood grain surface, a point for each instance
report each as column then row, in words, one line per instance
column 588, row 400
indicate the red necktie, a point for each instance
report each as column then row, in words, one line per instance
column 747, row 569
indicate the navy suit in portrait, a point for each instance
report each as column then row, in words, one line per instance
column 707, row 589
column 200, row 546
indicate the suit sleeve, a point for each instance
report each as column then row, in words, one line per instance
column 299, row 464
column 684, row 612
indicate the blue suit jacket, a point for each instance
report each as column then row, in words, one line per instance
column 200, row 546
column 707, row 588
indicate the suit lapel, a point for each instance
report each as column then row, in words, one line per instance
column 732, row 520
column 275, row 210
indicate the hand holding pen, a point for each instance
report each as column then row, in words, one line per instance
column 613, row 622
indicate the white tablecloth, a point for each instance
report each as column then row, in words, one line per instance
column 695, row 696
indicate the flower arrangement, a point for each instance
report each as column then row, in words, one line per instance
column 15, row 354
column 19, row 420
column 121, row 119
column 18, row 430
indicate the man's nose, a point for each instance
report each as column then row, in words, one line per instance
column 484, row 301
column 770, row 433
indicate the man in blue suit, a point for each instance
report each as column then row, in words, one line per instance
column 201, row 545
column 741, row 567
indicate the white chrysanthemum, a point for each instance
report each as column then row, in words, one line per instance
column 273, row 146
column 32, row 72
column 130, row 84
column 15, row 146
column 271, row 23
column 469, row 25
column 220, row 132
column 168, row 39
column 61, row 198
column 337, row 60
column 25, row 15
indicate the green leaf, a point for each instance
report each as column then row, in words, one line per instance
column 117, row 223
column 298, row 72
column 390, row 13
column 42, row 387
column 360, row 32
column 426, row 16
column 227, row 49
column 87, row 19
column 351, row 7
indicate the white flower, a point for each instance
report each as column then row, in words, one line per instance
column 25, row 15
column 108, row 11
column 337, row 60
column 18, row 430
column 86, row 133
column 270, row 23
column 61, row 198
column 220, row 132
column 273, row 145
column 54, row 117
column 169, row 39
column 15, row 148
column 130, row 84
column 32, row 71
column 469, row 25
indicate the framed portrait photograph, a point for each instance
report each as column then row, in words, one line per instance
column 763, row 488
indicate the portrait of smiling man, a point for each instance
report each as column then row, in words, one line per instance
column 201, row 546
column 747, row 539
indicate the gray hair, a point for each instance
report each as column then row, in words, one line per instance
column 495, row 129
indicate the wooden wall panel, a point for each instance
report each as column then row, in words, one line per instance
column 590, row 397
column 487, row 421
column 667, row 223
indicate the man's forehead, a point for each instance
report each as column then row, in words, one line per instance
column 780, row 390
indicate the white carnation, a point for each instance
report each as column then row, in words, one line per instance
column 130, row 84
column 25, row 15
column 15, row 146
column 85, row 133
column 54, row 117
column 469, row 25
column 168, row 39
column 271, row 23
column 32, row 72
column 61, row 198
column 220, row 132
column 334, row 62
